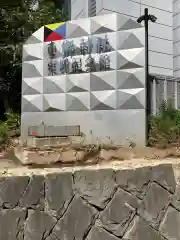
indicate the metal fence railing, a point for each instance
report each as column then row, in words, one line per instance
column 164, row 88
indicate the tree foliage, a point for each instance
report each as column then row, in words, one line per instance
column 17, row 23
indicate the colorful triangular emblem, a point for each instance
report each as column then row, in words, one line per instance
column 54, row 25
column 47, row 32
column 61, row 30
column 53, row 37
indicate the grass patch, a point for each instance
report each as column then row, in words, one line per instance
column 165, row 127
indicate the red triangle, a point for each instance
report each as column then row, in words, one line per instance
column 54, row 37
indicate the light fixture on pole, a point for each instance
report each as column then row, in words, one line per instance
column 146, row 18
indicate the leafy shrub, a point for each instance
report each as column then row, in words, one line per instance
column 3, row 133
column 13, row 120
column 177, row 119
column 165, row 127
column 167, row 110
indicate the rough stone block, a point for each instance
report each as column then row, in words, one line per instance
column 76, row 221
column 58, row 192
column 176, row 198
column 95, row 186
column 154, row 204
column 98, row 233
column 34, row 194
column 41, row 157
column 134, row 180
column 12, row 189
column 12, row 224
column 164, row 175
column 38, row 225
column 119, row 212
column 52, row 238
column 71, row 156
column 91, row 205
column 140, row 230
column 170, row 224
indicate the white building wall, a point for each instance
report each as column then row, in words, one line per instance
column 176, row 37
column 79, row 9
column 160, row 33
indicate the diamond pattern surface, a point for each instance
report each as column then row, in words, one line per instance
column 119, row 86
column 128, row 40
column 101, row 81
column 33, row 69
column 130, row 78
column 78, row 101
column 78, row 83
column 31, row 53
column 32, row 103
column 130, row 98
column 37, row 37
column 129, row 24
column 102, row 24
column 32, row 86
column 103, row 100
column 75, row 31
column 130, row 58
column 57, row 103
column 33, row 40
column 54, row 84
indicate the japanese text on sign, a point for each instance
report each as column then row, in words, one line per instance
column 90, row 55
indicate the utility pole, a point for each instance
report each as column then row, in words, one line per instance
column 146, row 18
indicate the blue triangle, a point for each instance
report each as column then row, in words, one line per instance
column 61, row 30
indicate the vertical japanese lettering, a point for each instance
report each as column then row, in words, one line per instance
column 107, row 62
column 69, row 63
column 107, row 44
column 76, row 65
column 52, row 51
column 83, row 47
column 68, row 48
column 99, row 46
column 90, row 64
column 64, row 66
column 104, row 62
column 52, row 68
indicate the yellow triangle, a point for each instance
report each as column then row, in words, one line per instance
column 54, row 25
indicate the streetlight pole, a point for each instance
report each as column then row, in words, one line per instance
column 146, row 18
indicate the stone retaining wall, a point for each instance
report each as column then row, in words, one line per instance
column 105, row 204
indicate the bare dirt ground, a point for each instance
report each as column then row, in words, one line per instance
column 127, row 158
column 88, row 157
column 75, row 154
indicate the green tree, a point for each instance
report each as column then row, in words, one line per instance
column 17, row 23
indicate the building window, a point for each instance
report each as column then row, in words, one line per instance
column 92, row 8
